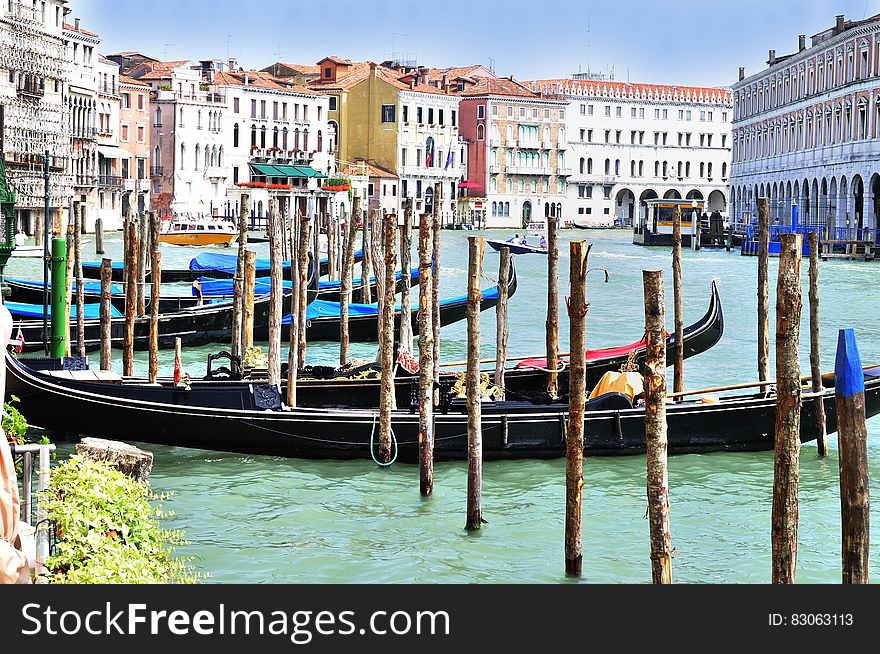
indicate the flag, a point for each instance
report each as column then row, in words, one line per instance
column 19, row 342
column 429, row 158
column 448, row 160
column 177, row 372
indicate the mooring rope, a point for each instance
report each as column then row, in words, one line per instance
column 372, row 440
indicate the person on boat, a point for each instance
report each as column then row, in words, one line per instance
column 543, row 244
column 524, row 240
column 514, row 240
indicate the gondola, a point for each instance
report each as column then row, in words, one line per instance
column 252, row 421
column 358, row 387
column 515, row 248
column 324, row 319
column 220, row 266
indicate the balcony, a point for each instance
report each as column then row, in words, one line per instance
column 495, row 169
column 216, row 173
column 531, row 144
column 84, row 181
column 109, row 181
column 529, row 170
column 564, row 171
column 87, row 133
column 35, row 91
column 157, row 171
column 105, row 131
column 131, row 184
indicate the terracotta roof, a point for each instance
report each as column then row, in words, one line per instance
column 458, row 72
column 363, row 169
column 501, row 86
column 156, row 70
column 73, row 28
column 258, row 79
column 360, row 71
column 128, row 81
column 601, row 88
column 303, row 68
column 336, row 60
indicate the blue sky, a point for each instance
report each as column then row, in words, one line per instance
column 688, row 42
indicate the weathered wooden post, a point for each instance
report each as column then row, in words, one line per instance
column 276, row 293
column 80, row 289
column 247, row 318
column 143, row 237
column 436, row 225
column 577, row 390
column 130, row 298
column 501, row 327
column 849, row 385
column 406, row 330
column 386, row 338
column 426, row 363
column 763, row 292
column 106, row 314
column 474, row 396
column 347, row 272
column 366, row 261
column 552, row 308
column 678, row 361
column 69, row 271
column 237, row 285
column 99, row 235
column 815, row 366
column 178, row 372
column 305, row 227
column 784, row 527
column 331, row 247
column 655, row 427
column 155, row 292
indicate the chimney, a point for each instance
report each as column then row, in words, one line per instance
column 802, row 42
column 771, row 57
column 742, row 73
column 444, row 83
column 76, row 24
column 838, row 27
column 233, row 64
column 247, row 79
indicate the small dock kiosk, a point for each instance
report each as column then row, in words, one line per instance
column 654, row 223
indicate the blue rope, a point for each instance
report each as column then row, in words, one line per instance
column 372, row 449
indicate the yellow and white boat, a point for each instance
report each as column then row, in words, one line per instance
column 198, row 232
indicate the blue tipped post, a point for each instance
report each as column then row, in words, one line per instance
column 849, row 386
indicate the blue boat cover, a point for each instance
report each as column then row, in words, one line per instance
column 116, row 265
column 93, row 288
column 224, row 287
column 34, row 311
column 228, row 263
column 323, row 309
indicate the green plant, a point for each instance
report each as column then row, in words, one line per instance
column 164, row 87
column 107, row 530
column 14, row 424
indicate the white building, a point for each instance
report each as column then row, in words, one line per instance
column 807, row 131
column 110, row 155
column 628, row 143
column 187, row 135
column 33, row 115
column 81, row 100
column 275, row 126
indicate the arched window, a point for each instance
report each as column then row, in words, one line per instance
column 296, row 139
column 534, row 186
column 522, row 185
column 182, row 156
column 510, row 135
column 284, row 139
column 320, row 141
column 263, row 137
column 617, row 166
column 181, row 117
column 583, row 165
column 509, row 187
column 306, row 140
column 590, row 166
column 235, row 135
column 641, row 168
column 724, row 171
column 275, row 137
column 157, row 156
column 220, row 157
column 253, row 136
column 207, row 157
column 199, row 119
column 632, row 168
column 562, row 135
column 608, row 166
column 495, row 132
column 494, row 184
column 198, row 155
column 481, row 133
column 494, row 209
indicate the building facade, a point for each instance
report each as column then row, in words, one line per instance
column 516, row 154
column 134, row 141
column 629, row 143
column 806, row 131
column 110, row 155
column 33, row 111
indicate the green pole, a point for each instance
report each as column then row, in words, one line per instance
column 60, row 320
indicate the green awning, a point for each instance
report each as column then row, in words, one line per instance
column 268, row 171
column 291, row 171
column 311, row 172
column 295, row 172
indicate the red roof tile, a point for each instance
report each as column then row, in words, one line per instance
column 600, row 88
column 73, row 28
column 260, row 80
column 363, row 169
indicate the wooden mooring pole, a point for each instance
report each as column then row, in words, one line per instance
column 426, row 362
column 763, row 292
column 276, row 293
column 143, row 238
column 366, row 261
column 247, row 316
column 784, row 528
column 99, row 235
column 476, row 246
column 237, row 283
column 130, row 298
column 80, row 290
column 655, row 427
column 347, row 272
column 552, row 308
column 386, row 336
column 304, row 237
column 577, row 390
column 155, row 294
column 293, row 336
column 70, row 255
column 406, row 331
column 852, row 433
column 436, row 225
column 815, row 365
column 106, row 314
column 501, row 326
column 678, row 360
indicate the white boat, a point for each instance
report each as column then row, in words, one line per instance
column 185, row 230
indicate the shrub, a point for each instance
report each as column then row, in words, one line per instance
column 14, row 424
column 107, row 530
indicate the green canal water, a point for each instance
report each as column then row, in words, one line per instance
column 270, row 520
